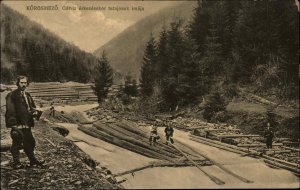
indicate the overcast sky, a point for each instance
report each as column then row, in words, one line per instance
column 86, row 28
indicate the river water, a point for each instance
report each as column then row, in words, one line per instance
column 118, row 160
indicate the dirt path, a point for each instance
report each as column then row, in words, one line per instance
column 118, row 159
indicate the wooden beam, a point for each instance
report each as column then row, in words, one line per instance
column 213, row 178
column 236, row 136
column 258, row 145
column 222, row 167
column 293, row 149
column 161, row 164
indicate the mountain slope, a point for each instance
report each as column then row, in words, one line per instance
column 28, row 48
column 125, row 51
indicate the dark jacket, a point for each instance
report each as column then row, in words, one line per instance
column 169, row 131
column 269, row 134
column 17, row 112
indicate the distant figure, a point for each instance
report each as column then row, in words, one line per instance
column 52, row 110
column 169, row 134
column 153, row 135
column 269, row 134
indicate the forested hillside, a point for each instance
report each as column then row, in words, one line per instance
column 28, row 48
column 227, row 45
column 125, row 51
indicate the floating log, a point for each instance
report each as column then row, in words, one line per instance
column 272, row 152
column 291, row 143
column 127, row 125
column 163, row 164
column 140, row 150
column 98, row 134
column 204, row 128
column 293, row 149
column 240, row 150
column 131, row 129
column 119, row 135
column 217, row 146
column 127, row 145
column 258, row 145
column 295, row 170
column 125, row 131
column 236, row 136
column 145, row 139
column 289, row 164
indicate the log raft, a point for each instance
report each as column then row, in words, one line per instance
column 136, row 140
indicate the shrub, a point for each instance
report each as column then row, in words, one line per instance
column 215, row 103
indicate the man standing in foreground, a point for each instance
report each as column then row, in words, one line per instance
column 20, row 111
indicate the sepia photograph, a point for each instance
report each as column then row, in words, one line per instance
column 149, row 94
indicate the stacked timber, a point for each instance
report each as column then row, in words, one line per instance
column 69, row 91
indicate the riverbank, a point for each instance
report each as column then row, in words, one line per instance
column 67, row 166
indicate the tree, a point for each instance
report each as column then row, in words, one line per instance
column 162, row 56
column 176, row 49
column 149, row 68
column 211, row 63
column 103, row 78
column 190, row 86
column 198, row 27
column 130, row 86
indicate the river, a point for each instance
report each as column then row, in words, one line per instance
column 118, row 160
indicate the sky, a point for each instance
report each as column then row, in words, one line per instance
column 88, row 29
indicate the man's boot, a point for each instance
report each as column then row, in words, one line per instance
column 172, row 141
column 16, row 161
column 37, row 163
column 33, row 160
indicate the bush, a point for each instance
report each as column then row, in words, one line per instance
column 215, row 103
column 220, row 116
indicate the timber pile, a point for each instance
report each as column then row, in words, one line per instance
column 101, row 114
column 129, row 136
column 70, row 91
column 78, row 117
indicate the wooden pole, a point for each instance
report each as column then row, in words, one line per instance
column 220, row 166
column 213, row 178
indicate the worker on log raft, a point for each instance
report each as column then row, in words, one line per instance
column 19, row 116
column 271, row 124
column 153, row 134
column 269, row 134
column 52, row 110
column 169, row 133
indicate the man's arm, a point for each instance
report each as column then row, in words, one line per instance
column 31, row 101
column 10, row 115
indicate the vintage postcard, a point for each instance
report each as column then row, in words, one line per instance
column 101, row 94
